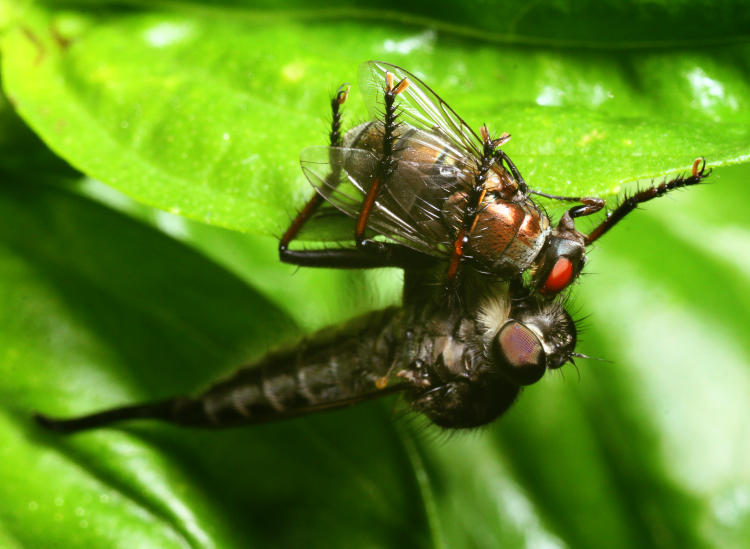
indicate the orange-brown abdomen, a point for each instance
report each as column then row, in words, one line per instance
column 508, row 236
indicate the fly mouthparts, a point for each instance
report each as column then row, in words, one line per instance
column 581, row 355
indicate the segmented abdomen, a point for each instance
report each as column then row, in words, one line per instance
column 332, row 371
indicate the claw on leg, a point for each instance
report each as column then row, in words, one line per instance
column 699, row 162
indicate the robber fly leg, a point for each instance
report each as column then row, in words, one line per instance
column 314, row 203
column 698, row 173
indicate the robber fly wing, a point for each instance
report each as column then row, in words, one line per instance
column 419, row 106
column 408, row 214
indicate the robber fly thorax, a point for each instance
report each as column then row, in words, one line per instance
column 428, row 195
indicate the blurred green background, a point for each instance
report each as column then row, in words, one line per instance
column 148, row 153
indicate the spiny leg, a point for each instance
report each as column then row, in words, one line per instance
column 522, row 186
column 362, row 257
column 591, row 205
column 314, row 203
column 698, row 173
column 390, row 254
column 473, row 203
column 386, row 163
column 370, row 253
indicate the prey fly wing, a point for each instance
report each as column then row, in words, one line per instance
column 411, row 212
column 419, row 107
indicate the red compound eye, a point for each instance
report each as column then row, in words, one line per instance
column 560, row 276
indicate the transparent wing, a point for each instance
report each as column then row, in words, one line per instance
column 332, row 183
column 411, row 206
column 419, row 106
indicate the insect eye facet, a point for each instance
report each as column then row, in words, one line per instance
column 560, row 276
column 520, row 353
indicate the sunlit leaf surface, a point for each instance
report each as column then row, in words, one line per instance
column 204, row 113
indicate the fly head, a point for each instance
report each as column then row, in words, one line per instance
column 537, row 336
column 561, row 260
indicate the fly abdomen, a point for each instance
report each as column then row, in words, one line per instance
column 331, row 370
column 273, row 391
column 251, row 395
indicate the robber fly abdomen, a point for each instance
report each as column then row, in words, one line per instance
column 314, row 376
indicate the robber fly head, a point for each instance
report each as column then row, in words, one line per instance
column 538, row 335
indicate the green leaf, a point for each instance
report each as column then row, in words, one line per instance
column 545, row 22
column 186, row 113
column 100, row 310
column 20, row 148
column 100, row 280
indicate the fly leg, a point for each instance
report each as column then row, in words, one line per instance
column 474, row 201
column 591, row 205
column 522, row 186
column 697, row 174
column 385, row 254
column 391, row 254
column 285, row 254
column 367, row 254
column 386, row 165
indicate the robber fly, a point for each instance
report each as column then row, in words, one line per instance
column 428, row 195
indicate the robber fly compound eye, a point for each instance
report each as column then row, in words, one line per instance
column 519, row 353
